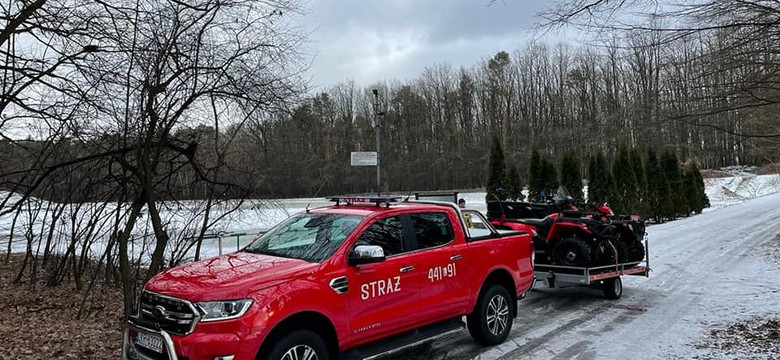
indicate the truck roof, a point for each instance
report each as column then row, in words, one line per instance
column 370, row 209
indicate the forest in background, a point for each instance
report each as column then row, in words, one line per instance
column 436, row 130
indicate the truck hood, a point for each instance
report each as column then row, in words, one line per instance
column 226, row 277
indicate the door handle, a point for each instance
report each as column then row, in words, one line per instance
column 406, row 269
column 456, row 257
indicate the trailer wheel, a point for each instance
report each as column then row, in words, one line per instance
column 613, row 288
column 491, row 321
column 572, row 251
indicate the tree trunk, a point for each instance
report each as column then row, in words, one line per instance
column 128, row 283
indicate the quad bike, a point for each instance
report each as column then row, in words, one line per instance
column 567, row 237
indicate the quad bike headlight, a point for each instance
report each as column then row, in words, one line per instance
column 223, row 310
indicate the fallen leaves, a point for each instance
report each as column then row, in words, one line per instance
column 42, row 323
column 755, row 338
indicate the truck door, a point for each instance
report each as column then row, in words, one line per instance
column 386, row 293
column 444, row 258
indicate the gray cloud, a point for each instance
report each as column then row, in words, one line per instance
column 370, row 41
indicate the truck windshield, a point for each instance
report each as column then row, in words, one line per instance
column 310, row 237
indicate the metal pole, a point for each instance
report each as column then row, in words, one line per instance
column 376, row 134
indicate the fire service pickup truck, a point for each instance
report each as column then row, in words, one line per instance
column 364, row 278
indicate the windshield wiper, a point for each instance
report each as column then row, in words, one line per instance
column 270, row 253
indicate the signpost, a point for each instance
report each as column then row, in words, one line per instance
column 363, row 158
column 376, row 132
column 371, row 158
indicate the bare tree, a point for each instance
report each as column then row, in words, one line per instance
column 744, row 30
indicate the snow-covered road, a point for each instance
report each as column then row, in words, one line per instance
column 708, row 271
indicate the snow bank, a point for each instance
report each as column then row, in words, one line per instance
column 733, row 190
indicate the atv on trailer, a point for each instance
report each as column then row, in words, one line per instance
column 606, row 277
column 564, row 236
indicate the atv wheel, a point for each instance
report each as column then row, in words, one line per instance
column 572, row 252
column 622, row 248
column 613, row 288
column 637, row 252
column 605, row 253
column 492, row 319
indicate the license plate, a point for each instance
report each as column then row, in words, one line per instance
column 149, row 341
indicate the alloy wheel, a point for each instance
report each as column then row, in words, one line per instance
column 497, row 315
column 300, row 352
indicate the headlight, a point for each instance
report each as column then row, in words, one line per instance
column 223, row 310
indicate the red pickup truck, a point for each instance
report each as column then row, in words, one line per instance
column 361, row 279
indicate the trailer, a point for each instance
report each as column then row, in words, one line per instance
column 607, row 277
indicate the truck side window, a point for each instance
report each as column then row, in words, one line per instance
column 387, row 233
column 432, row 229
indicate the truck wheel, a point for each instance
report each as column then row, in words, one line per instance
column 492, row 319
column 300, row 344
column 572, row 252
column 613, row 288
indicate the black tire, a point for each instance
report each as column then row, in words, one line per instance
column 622, row 248
column 496, row 303
column 572, row 252
column 637, row 252
column 299, row 341
column 604, row 253
column 613, row 288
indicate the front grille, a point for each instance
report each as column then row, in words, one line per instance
column 160, row 312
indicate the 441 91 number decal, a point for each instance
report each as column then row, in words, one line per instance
column 438, row 273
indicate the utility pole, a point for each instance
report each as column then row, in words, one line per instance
column 377, row 129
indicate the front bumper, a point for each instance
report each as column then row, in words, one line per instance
column 131, row 352
column 196, row 346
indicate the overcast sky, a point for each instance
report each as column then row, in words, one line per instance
column 378, row 40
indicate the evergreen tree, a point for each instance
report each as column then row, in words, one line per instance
column 641, row 177
column 659, row 190
column 514, row 188
column 601, row 186
column 611, row 192
column 694, row 201
column 698, row 185
column 549, row 177
column 626, row 186
column 672, row 170
column 496, row 172
column 570, row 175
column 535, row 184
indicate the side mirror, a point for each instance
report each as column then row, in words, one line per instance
column 366, row 254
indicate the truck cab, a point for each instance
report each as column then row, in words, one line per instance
column 360, row 279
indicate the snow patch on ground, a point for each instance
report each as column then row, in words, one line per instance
column 727, row 191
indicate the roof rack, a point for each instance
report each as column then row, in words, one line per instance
column 356, row 199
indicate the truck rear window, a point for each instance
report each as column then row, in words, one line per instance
column 432, row 229
column 310, row 237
